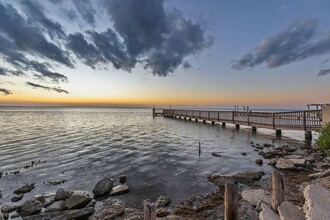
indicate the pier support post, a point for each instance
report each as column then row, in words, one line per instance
column 196, row 120
column 231, row 201
column 254, row 129
column 204, row 121
column 277, row 190
column 237, row 126
column 184, row 118
column 278, row 133
column 308, row 135
column 149, row 211
column 189, row 119
column 223, row 124
column 213, row 122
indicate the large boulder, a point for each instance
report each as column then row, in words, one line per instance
column 56, row 206
column 254, row 195
column 78, row 200
column 62, row 194
column 30, row 207
column 288, row 211
column 119, row 190
column 317, row 200
column 103, row 187
column 285, row 164
column 267, row 213
column 64, row 215
column 110, row 210
column 9, row 208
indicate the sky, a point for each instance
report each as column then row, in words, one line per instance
column 164, row 52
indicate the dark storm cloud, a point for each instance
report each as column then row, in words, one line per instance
column 86, row 10
column 186, row 65
column 36, row 14
column 43, row 69
column 29, row 38
column 324, row 72
column 6, row 72
column 297, row 42
column 3, row 71
column 6, row 91
column 55, row 89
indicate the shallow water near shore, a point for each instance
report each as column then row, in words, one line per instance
column 158, row 155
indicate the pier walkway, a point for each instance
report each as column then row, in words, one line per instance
column 308, row 121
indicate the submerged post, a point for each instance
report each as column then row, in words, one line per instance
column 153, row 110
column 149, row 211
column 231, row 201
column 277, row 190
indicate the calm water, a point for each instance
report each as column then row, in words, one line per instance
column 159, row 155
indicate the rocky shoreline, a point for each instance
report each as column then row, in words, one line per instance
column 300, row 167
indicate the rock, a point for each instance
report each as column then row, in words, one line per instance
column 119, row 190
column 284, row 164
column 0, row 194
column 1, row 174
column 91, row 204
column 30, row 207
column 62, row 194
column 301, row 152
column 15, row 215
column 110, row 210
column 216, row 213
column 5, row 215
column 56, row 206
column 267, row 213
column 320, row 174
column 245, row 178
column 24, row 189
column 17, row 198
column 162, row 212
column 9, row 208
column 317, row 200
column 293, row 156
column 40, row 198
column 216, row 154
column 162, row 201
column 78, row 199
column 54, row 182
column 64, row 215
column 1, row 216
column 259, row 162
column 103, row 187
column 288, row 211
column 246, row 211
column 260, row 202
column 254, row 195
column 122, row 179
column 244, row 154
column 299, row 162
column 272, row 162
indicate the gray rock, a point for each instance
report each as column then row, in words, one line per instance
column 62, row 194
column 299, row 162
column 254, row 195
column 40, row 198
column 17, row 198
column 8, row 208
column 272, row 162
column 1, row 216
column 30, row 207
column 245, row 178
column 246, row 211
column 103, row 187
column 119, row 190
column 284, row 164
column 56, row 206
column 317, row 200
column 24, row 189
column 267, row 213
column 110, row 210
column 259, row 161
column 15, row 215
column 260, row 202
column 91, row 204
column 320, row 174
column 123, row 179
column 5, row 215
column 293, row 156
column 64, row 215
column 288, row 211
column 78, row 199
column 162, row 201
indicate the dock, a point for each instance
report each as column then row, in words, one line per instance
column 308, row 121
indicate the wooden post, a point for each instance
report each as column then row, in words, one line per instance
column 231, row 201
column 273, row 116
column 233, row 117
column 149, row 211
column 277, row 190
column 304, row 120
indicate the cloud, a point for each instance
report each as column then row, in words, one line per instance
column 6, row 91
column 186, row 65
column 55, row 89
column 323, row 72
column 86, row 10
column 42, row 68
column 297, row 42
column 29, row 38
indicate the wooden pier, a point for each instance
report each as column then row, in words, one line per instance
column 308, row 121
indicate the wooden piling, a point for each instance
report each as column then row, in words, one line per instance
column 149, row 211
column 277, row 190
column 231, row 201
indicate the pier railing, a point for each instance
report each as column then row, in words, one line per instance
column 309, row 120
